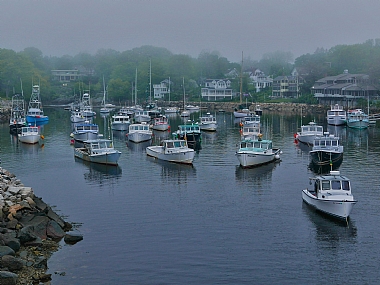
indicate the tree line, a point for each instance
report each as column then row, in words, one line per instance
column 22, row 69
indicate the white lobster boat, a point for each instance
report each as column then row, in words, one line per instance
column 331, row 194
column 139, row 133
column 309, row 132
column 98, row 151
column 161, row 123
column 173, row 151
column 255, row 152
column 208, row 123
column 30, row 135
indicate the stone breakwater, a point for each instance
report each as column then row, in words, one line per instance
column 30, row 232
column 287, row 108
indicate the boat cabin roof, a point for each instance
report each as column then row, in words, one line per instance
column 98, row 144
column 328, row 140
column 186, row 128
column 174, row 143
column 332, row 181
column 311, row 128
column 139, row 127
column 29, row 129
column 87, row 127
column 256, row 144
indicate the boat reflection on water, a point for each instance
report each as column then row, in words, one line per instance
column 338, row 131
column 100, row 173
column 119, row 135
column 257, row 175
column 357, row 137
column 209, row 137
column 330, row 230
column 159, row 136
column 325, row 169
column 138, row 147
column 174, row 171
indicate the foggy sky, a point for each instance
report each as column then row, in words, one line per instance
column 230, row 27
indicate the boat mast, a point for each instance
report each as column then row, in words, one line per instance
column 183, row 86
column 169, row 90
column 241, row 80
column 150, row 81
column 136, row 88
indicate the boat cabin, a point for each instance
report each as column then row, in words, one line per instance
column 208, row 119
column 29, row 131
column 138, row 127
column 172, row 144
column 333, row 184
column 97, row 146
column 336, row 110
column 189, row 128
column 326, row 141
column 87, row 128
column 160, row 120
column 311, row 128
column 256, row 144
column 252, row 119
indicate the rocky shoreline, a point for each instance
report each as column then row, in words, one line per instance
column 30, row 232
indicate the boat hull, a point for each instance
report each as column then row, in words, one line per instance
column 240, row 114
column 139, row 137
column 251, row 159
column 193, row 139
column 320, row 157
column 161, row 127
column 36, row 119
column 336, row 121
column 358, row 124
column 86, row 136
column 306, row 139
column 211, row 127
column 29, row 139
column 120, row 126
column 185, row 156
column 336, row 208
column 109, row 158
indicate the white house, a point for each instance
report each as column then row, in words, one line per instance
column 216, row 89
column 160, row 90
column 260, row 80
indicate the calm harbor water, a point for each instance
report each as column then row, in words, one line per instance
column 148, row 222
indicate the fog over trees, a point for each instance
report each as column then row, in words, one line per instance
column 119, row 69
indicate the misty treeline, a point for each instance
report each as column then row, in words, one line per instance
column 30, row 66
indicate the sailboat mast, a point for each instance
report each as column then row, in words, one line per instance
column 150, row 81
column 136, row 88
column 169, row 90
column 241, row 80
column 183, row 86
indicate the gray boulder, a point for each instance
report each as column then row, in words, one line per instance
column 8, row 278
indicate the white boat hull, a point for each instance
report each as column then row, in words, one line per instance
column 120, row 126
column 336, row 121
column 85, row 136
column 240, row 114
column 185, row 156
column 339, row 208
column 251, row 159
column 208, row 127
column 307, row 139
column 161, row 127
column 139, row 137
column 29, row 139
column 110, row 158
column 141, row 119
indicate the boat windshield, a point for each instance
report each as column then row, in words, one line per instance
column 326, row 185
column 177, row 144
column 346, row 185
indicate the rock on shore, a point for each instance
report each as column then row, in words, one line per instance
column 30, row 232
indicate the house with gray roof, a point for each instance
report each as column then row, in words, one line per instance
column 343, row 89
